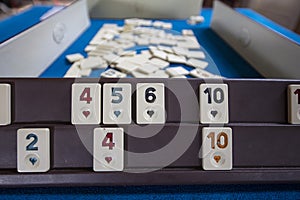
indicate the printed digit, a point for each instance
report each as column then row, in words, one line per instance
column 30, row 146
column 222, row 140
column 149, row 95
column 208, row 91
column 108, row 141
column 211, row 136
column 86, row 95
column 115, row 92
column 222, row 143
column 218, row 95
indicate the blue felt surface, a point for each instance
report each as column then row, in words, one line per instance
column 244, row 192
column 12, row 26
column 271, row 25
column 229, row 63
column 236, row 67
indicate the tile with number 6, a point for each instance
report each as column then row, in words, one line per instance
column 150, row 103
column 108, row 149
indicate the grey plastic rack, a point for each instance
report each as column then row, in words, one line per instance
column 250, row 101
column 265, row 146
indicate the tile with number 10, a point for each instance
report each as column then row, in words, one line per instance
column 217, row 148
column 294, row 104
column 214, row 103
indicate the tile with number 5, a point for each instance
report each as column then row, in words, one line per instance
column 117, row 103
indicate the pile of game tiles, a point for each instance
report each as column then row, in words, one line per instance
column 141, row 49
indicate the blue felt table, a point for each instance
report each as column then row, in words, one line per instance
column 244, row 192
column 231, row 65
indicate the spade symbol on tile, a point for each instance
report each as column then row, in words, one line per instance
column 150, row 113
column 86, row 113
column 117, row 113
column 214, row 113
column 33, row 160
column 217, row 158
column 108, row 159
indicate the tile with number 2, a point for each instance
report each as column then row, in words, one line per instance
column 33, row 150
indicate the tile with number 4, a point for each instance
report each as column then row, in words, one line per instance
column 117, row 103
column 86, row 103
column 108, row 149
column 214, row 103
column 217, row 148
column 33, row 150
column 294, row 104
column 150, row 103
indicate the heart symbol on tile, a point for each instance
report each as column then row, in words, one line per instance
column 86, row 113
column 217, row 158
column 214, row 113
column 150, row 113
column 117, row 113
column 33, row 160
column 108, row 159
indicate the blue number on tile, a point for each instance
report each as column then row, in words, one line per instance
column 116, row 93
column 30, row 146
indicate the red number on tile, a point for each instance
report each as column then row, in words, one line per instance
column 108, row 141
column 86, row 95
column 222, row 140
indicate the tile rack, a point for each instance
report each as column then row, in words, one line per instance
column 265, row 145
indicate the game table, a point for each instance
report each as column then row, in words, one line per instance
column 230, row 65
column 221, row 53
